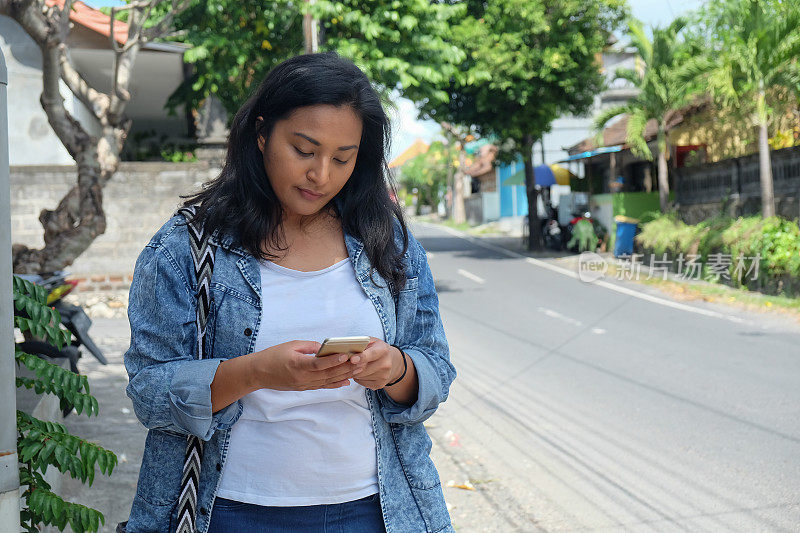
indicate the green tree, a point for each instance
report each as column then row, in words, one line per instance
column 398, row 44
column 527, row 64
column 42, row 444
column 664, row 87
column 428, row 174
column 754, row 46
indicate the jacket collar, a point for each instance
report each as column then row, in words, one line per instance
column 227, row 241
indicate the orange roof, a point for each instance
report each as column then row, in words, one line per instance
column 94, row 20
column 418, row 147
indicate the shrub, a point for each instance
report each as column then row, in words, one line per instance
column 775, row 241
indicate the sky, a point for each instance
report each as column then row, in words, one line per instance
column 405, row 126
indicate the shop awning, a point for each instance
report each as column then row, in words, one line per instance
column 545, row 176
column 592, row 153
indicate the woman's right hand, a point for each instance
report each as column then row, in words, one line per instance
column 292, row 366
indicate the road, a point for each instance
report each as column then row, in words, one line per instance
column 582, row 408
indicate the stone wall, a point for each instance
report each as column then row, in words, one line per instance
column 137, row 200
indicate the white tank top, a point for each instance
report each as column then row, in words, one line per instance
column 292, row 448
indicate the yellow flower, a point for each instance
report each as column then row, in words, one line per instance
column 265, row 44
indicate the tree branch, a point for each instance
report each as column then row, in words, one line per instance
column 63, row 20
column 95, row 100
column 162, row 28
column 68, row 130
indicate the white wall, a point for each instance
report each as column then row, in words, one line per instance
column 568, row 131
column 31, row 139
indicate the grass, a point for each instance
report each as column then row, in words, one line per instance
column 466, row 227
column 710, row 292
column 463, row 226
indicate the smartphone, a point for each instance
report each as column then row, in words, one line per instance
column 333, row 345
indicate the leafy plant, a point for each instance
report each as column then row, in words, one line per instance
column 177, row 155
column 40, row 443
column 753, row 46
column 668, row 234
column 774, row 241
column 584, row 236
column 427, row 173
column 664, row 88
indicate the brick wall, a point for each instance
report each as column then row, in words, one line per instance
column 138, row 200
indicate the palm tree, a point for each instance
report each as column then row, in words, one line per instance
column 757, row 46
column 663, row 88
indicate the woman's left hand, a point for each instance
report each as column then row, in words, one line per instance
column 381, row 363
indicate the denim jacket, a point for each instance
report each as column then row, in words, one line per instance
column 171, row 394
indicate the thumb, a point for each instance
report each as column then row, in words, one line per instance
column 309, row 347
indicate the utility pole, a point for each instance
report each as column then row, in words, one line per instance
column 458, row 211
column 9, row 463
column 310, row 34
column 541, row 145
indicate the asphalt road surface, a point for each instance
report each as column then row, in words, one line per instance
column 578, row 407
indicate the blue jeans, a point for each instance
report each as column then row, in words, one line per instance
column 357, row 516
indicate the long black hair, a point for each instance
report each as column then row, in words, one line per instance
column 241, row 199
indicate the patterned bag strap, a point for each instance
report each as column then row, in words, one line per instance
column 203, row 258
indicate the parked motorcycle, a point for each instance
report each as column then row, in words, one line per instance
column 73, row 317
column 551, row 230
column 552, row 234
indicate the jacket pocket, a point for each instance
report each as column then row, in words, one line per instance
column 406, row 307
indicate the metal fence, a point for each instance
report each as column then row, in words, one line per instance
column 738, row 177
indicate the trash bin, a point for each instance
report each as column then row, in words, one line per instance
column 626, row 230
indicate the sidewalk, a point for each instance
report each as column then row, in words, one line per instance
column 116, row 428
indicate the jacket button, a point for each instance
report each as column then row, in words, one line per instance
column 219, row 467
column 203, row 511
column 248, row 332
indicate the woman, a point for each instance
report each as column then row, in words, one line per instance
column 308, row 245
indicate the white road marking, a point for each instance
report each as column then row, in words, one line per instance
column 556, row 314
column 598, row 331
column 470, row 275
column 601, row 283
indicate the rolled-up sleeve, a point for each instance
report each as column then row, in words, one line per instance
column 425, row 343
column 170, row 389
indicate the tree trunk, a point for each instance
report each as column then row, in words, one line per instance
column 535, row 243
column 765, row 173
column 79, row 218
column 310, row 36
column 459, row 211
column 663, row 172
column 541, row 145
column 449, row 186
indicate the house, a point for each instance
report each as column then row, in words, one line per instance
column 621, row 182
column 492, row 197
column 158, row 71
column 418, row 147
column 568, row 130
